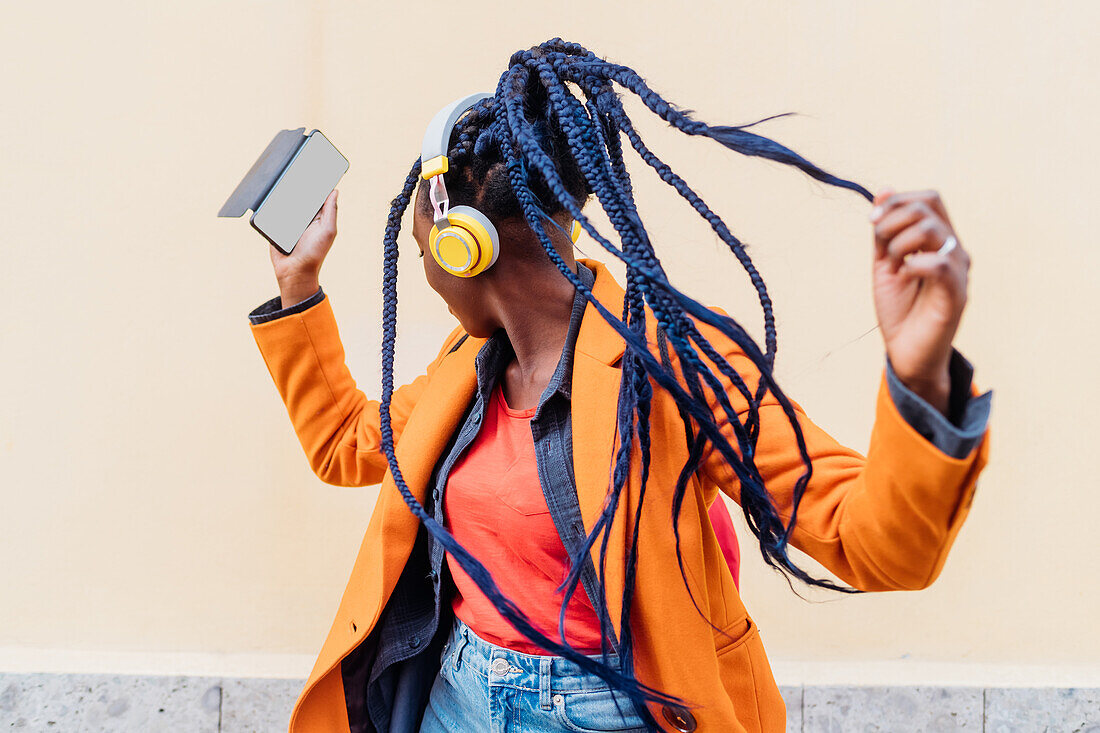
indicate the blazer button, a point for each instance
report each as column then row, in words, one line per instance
column 679, row 718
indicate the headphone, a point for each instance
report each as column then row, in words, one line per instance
column 463, row 240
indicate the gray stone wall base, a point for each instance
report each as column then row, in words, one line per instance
column 107, row 703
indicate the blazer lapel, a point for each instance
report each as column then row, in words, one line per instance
column 430, row 426
column 595, row 398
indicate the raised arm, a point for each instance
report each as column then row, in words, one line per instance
column 886, row 521
column 336, row 424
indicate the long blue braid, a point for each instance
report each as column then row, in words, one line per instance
column 505, row 126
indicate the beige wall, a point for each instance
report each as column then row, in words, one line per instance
column 155, row 502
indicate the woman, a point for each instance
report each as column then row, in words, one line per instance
column 558, row 569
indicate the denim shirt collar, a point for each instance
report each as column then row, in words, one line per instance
column 497, row 351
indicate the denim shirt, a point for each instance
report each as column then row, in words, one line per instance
column 387, row 678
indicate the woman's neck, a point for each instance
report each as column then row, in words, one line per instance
column 535, row 306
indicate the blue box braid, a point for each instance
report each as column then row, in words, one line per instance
column 536, row 140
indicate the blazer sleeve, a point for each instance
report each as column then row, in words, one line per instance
column 884, row 521
column 338, row 426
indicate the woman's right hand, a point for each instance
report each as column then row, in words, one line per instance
column 299, row 272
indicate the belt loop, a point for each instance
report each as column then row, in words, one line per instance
column 544, row 683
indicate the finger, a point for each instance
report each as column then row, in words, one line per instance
column 928, row 234
column 325, row 218
column 328, row 211
column 883, row 194
column 934, row 266
column 899, row 219
column 929, row 197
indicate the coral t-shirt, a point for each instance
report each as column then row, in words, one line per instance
column 722, row 523
column 495, row 508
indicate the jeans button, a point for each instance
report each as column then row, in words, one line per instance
column 679, row 718
column 500, row 666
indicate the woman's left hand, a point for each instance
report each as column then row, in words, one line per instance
column 919, row 290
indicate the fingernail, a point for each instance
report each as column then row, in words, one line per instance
column 875, row 213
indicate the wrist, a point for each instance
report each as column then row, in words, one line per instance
column 304, row 274
column 934, row 388
column 293, row 290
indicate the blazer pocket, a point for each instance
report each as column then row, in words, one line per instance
column 733, row 648
column 733, row 635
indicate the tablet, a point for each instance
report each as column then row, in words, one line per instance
column 299, row 192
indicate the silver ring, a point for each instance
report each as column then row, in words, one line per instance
column 949, row 245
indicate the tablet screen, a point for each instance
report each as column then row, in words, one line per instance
column 300, row 191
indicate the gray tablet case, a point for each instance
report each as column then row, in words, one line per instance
column 261, row 177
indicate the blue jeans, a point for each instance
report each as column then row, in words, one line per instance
column 485, row 688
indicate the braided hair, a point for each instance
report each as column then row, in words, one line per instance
column 535, row 149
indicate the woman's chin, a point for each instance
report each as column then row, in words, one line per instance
column 476, row 330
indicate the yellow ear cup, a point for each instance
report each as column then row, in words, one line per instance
column 468, row 245
column 454, row 249
column 575, row 231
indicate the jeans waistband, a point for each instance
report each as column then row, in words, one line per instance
column 502, row 666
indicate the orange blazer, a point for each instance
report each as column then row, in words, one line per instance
column 881, row 522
